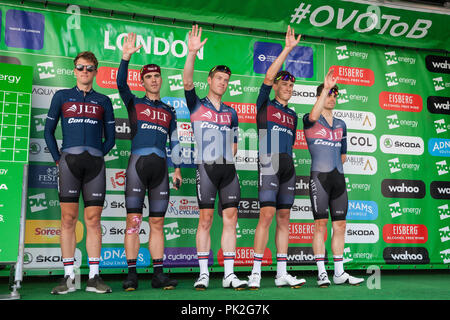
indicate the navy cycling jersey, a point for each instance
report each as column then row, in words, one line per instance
column 215, row 130
column 85, row 116
column 151, row 121
column 277, row 124
column 326, row 144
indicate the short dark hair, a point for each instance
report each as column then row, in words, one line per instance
column 88, row 56
column 320, row 88
column 219, row 68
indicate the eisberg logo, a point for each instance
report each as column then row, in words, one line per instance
column 405, row 233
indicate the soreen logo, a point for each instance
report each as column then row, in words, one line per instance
column 408, row 255
column 405, row 233
column 391, row 188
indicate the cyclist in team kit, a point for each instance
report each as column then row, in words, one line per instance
column 215, row 127
column 326, row 137
column 277, row 126
column 85, row 115
column 151, row 122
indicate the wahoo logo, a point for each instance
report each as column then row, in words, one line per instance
column 444, row 233
column 438, row 84
column 235, row 87
column 395, row 209
column 394, row 165
column 171, row 231
column 410, row 255
column 175, row 82
column 391, row 58
column 442, row 167
column 440, row 189
column 46, row 70
column 437, row 64
column 445, row 256
column 391, row 79
column 440, row 126
column 444, row 212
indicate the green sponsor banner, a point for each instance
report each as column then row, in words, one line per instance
column 395, row 24
column 394, row 102
column 15, row 108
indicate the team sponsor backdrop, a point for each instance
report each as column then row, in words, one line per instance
column 394, row 101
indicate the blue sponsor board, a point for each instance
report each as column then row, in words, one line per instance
column 116, row 258
column 24, row 29
column 180, row 106
column 264, row 54
column 300, row 62
column 439, row 147
column 362, row 210
column 43, row 177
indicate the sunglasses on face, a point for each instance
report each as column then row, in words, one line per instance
column 333, row 91
column 285, row 77
column 221, row 68
column 89, row 67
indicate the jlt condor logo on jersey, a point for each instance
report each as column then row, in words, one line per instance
column 153, row 115
column 281, row 118
column 207, row 115
column 76, row 109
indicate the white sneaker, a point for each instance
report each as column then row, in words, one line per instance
column 202, row 282
column 346, row 278
column 287, row 280
column 253, row 281
column 322, row 280
column 232, row 281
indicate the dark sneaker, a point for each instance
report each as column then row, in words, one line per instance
column 65, row 285
column 131, row 282
column 162, row 281
column 97, row 285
